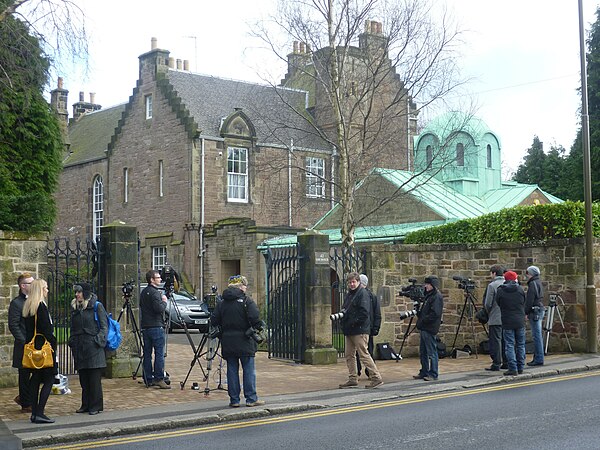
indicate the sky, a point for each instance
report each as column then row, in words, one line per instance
column 521, row 57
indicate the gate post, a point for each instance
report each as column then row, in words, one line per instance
column 119, row 247
column 316, row 294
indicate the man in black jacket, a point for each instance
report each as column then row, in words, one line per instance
column 238, row 317
column 429, row 319
column 16, row 325
column 356, row 325
column 511, row 300
column 153, row 304
column 375, row 315
column 534, row 308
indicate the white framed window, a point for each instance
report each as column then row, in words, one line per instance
column 315, row 177
column 159, row 257
column 237, row 174
column 98, row 206
column 125, row 185
column 161, row 174
column 148, row 102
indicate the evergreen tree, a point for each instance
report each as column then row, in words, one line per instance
column 30, row 140
column 531, row 171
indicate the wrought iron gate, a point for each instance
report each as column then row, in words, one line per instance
column 342, row 262
column 68, row 263
column 285, row 310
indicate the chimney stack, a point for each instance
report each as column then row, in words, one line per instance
column 59, row 103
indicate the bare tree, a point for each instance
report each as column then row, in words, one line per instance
column 368, row 80
column 59, row 25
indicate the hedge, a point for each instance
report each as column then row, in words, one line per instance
column 519, row 224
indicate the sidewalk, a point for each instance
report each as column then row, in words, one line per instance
column 130, row 407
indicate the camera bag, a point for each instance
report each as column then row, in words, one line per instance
column 385, row 352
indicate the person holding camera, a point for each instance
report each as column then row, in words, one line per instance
column 238, row 318
column 89, row 328
column 495, row 319
column 356, row 325
column 510, row 297
column 429, row 319
column 153, row 304
column 534, row 308
column 375, row 315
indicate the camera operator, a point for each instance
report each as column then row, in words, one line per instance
column 375, row 315
column 237, row 316
column 495, row 319
column 356, row 325
column 534, row 308
column 429, row 319
column 153, row 304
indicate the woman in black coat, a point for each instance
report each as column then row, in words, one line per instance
column 87, row 341
column 37, row 320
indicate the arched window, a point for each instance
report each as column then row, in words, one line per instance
column 460, row 154
column 429, row 155
column 98, row 206
column 489, row 156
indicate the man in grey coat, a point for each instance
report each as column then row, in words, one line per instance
column 495, row 321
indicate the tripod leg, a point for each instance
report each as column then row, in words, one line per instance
column 562, row 324
column 406, row 334
column 197, row 356
column 462, row 314
column 549, row 322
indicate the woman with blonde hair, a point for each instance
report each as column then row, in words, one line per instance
column 38, row 321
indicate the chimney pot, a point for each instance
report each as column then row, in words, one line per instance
column 302, row 47
column 186, row 65
column 60, row 83
column 171, row 62
column 379, row 28
column 153, row 43
column 295, row 46
column 92, row 97
column 178, row 64
column 367, row 26
column 81, row 96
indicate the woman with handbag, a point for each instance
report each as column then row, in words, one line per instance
column 87, row 341
column 39, row 329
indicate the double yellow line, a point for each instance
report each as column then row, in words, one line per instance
column 320, row 413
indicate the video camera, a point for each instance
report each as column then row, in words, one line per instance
column 414, row 291
column 169, row 277
column 127, row 288
column 464, row 283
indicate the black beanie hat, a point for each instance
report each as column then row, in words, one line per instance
column 87, row 290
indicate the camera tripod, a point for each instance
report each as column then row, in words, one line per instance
column 407, row 333
column 197, row 355
column 469, row 310
column 213, row 351
column 552, row 308
column 139, row 341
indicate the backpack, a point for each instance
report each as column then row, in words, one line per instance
column 113, row 337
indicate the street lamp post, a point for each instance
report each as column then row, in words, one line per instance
column 590, row 288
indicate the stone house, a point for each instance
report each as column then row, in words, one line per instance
column 204, row 167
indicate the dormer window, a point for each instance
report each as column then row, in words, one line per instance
column 460, row 154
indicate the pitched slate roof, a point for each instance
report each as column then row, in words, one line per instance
column 91, row 134
column 211, row 99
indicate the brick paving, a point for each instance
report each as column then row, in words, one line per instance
column 274, row 377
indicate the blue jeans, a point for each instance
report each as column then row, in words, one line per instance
column 154, row 340
column 515, row 348
column 428, row 354
column 249, row 378
column 536, row 336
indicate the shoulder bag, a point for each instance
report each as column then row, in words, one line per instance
column 37, row 359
